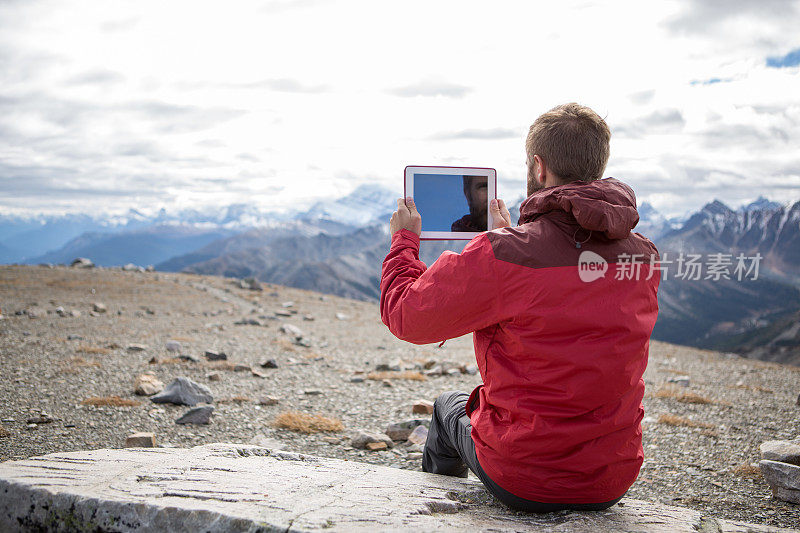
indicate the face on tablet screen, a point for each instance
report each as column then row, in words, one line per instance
column 450, row 202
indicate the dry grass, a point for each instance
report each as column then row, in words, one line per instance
column 183, row 339
column 221, row 365
column 285, row 344
column 74, row 365
column 674, row 420
column 407, row 374
column 681, row 396
column 235, row 399
column 748, row 471
column 3, row 432
column 166, row 361
column 112, row 401
column 307, row 423
column 752, row 387
column 96, row 350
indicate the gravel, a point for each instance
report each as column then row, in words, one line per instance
column 51, row 363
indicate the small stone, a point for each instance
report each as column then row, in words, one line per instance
column 387, row 383
column 291, row 330
column 216, row 356
column 453, row 371
column 435, row 371
column 248, row 322
column 99, row 308
column 141, row 440
column 60, row 311
column 214, row 376
column 362, row 438
column 284, row 314
column 399, row 431
column 312, row 392
column 287, row 304
column 74, row 337
column 82, row 262
column 189, row 357
column 184, row 391
column 149, row 268
column 240, row 367
column 342, row 316
column 130, row 267
column 147, row 385
column 471, row 369
column 419, row 435
column 197, row 415
column 430, row 363
column 136, row 347
column 257, row 374
column 173, row 346
column 42, row 418
column 375, row 446
column 268, row 400
column 422, row 407
column 268, row 363
column 357, row 379
column 308, row 318
column 74, row 313
column 682, row 381
column 783, row 451
column 251, row 284
column 414, row 455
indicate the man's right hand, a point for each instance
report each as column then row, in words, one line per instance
column 500, row 216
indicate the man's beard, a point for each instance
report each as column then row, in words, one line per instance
column 534, row 185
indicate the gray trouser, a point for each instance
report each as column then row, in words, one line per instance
column 450, row 450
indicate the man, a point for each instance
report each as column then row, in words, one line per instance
column 475, row 191
column 556, row 422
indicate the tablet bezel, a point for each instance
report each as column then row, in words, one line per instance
column 491, row 183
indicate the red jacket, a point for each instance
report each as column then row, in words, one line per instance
column 557, row 418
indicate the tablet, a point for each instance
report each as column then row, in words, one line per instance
column 453, row 201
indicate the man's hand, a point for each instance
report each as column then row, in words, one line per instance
column 406, row 217
column 501, row 218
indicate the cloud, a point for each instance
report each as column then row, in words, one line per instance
column 480, row 134
column 642, row 97
column 431, row 89
column 96, row 77
column 658, row 122
column 710, row 81
column 792, row 59
column 700, row 16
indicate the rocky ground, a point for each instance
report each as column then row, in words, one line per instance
column 700, row 440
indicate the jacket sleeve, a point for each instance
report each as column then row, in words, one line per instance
column 458, row 294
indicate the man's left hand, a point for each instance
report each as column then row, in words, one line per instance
column 406, row 217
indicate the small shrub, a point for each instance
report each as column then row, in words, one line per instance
column 682, row 396
column 747, row 470
column 96, row 350
column 674, row 420
column 307, row 423
column 112, row 401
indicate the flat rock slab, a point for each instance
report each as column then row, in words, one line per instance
column 231, row 487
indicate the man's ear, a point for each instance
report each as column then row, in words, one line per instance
column 539, row 169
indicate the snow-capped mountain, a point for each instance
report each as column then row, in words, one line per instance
column 367, row 204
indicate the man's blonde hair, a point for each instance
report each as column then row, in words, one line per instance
column 573, row 142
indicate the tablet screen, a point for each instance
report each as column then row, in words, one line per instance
column 451, row 202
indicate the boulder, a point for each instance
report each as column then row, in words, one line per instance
column 236, row 487
column 422, row 407
column 784, row 451
column 197, row 415
column 184, row 391
column 783, row 479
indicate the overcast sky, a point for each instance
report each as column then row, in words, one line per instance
column 107, row 105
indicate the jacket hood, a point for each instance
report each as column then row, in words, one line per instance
column 606, row 205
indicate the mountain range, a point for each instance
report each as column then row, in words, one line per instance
column 337, row 247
